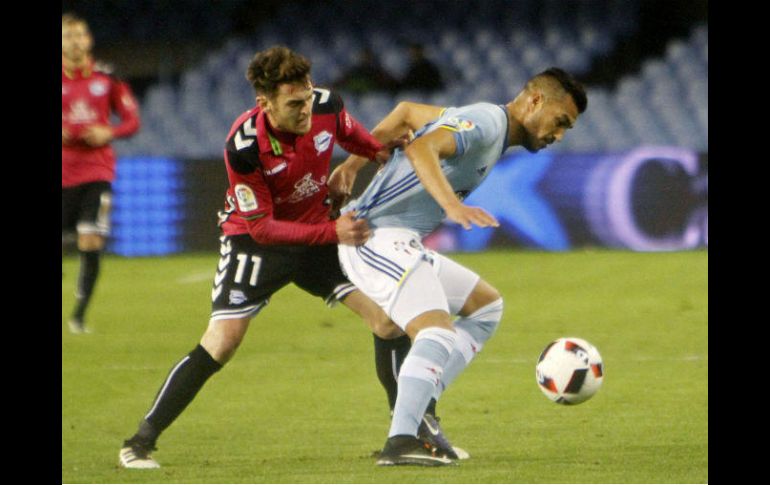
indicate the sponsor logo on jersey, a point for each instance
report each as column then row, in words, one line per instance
column 322, row 141
column 98, row 87
column 247, row 201
column 276, row 169
column 304, row 188
column 81, row 112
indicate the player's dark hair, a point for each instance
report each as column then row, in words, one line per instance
column 570, row 85
column 274, row 66
column 71, row 18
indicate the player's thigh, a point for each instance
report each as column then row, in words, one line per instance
column 460, row 284
column 70, row 207
column 319, row 273
column 93, row 209
column 247, row 275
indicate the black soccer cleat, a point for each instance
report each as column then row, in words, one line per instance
column 408, row 450
column 430, row 431
column 136, row 454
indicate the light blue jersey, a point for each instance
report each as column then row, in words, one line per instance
column 396, row 198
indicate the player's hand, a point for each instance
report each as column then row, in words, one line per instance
column 97, row 135
column 340, row 185
column 468, row 216
column 384, row 155
column 66, row 137
column 352, row 231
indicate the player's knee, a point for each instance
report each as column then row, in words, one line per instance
column 90, row 242
column 383, row 327
column 222, row 339
column 483, row 322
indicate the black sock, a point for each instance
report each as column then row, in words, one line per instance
column 89, row 272
column 431, row 409
column 388, row 357
column 182, row 384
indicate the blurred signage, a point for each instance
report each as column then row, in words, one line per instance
column 645, row 199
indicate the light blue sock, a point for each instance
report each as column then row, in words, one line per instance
column 473, row 332
column 420, row 374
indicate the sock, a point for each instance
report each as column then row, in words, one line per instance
column 89, row 271
column 419, row 376
column 388, row 357
column 473, row 332
column 182, row 384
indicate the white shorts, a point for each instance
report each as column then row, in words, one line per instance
column 395, row 270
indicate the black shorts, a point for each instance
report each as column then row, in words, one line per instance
column 249, row 273
column 86, row 208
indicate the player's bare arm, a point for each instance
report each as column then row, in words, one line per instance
column 425, row 155
column 396, row 129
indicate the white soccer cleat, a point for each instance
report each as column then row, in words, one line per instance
column 77, row 327
column 133, row 455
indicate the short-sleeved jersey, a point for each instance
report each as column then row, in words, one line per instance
column 396, row 198
column 278, row 190
column 90, row 96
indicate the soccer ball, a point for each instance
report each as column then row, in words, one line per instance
column 569, row 371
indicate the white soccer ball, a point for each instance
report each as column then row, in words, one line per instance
column 569, row 371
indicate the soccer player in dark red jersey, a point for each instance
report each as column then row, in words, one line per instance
column 89, row 95
column 276, row 229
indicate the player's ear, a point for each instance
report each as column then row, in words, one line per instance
column 535, row 101
column 262, row 102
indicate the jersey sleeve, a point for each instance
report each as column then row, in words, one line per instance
column 124, row 104
column 480, row 124
column 355, row 138
column 253, row 203
column 351, row 135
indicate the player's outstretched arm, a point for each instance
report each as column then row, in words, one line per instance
column 426, row 154
column 399, row 124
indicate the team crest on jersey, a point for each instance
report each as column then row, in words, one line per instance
column 98, row 87
column 456, row 124
column 247, row 201
column 322, row 141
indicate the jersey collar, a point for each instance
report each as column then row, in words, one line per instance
column 271, row 140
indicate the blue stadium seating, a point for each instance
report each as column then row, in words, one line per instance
column 666, row 102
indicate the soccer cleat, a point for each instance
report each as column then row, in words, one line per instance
column 77, row 326
column 408, row 450
column 135, row 454
column 430, row 431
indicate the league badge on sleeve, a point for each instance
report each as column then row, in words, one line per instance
column 456, row 124
column 247, row 201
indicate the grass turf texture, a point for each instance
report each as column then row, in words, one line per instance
column 300, row 402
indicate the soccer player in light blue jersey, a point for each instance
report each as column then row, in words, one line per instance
column 453, row 150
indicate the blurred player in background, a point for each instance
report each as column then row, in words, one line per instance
column 276, row 230
column 89, row 95
column 454, row 149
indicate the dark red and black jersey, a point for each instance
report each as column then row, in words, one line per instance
column 278, row 180
column 89, row 96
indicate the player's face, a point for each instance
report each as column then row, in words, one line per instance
column 76, row 42
column 549, row 121
column 290, row 109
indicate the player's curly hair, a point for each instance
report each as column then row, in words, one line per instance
column 274, row 66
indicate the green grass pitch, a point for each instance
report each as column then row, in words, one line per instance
column 300, row 402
